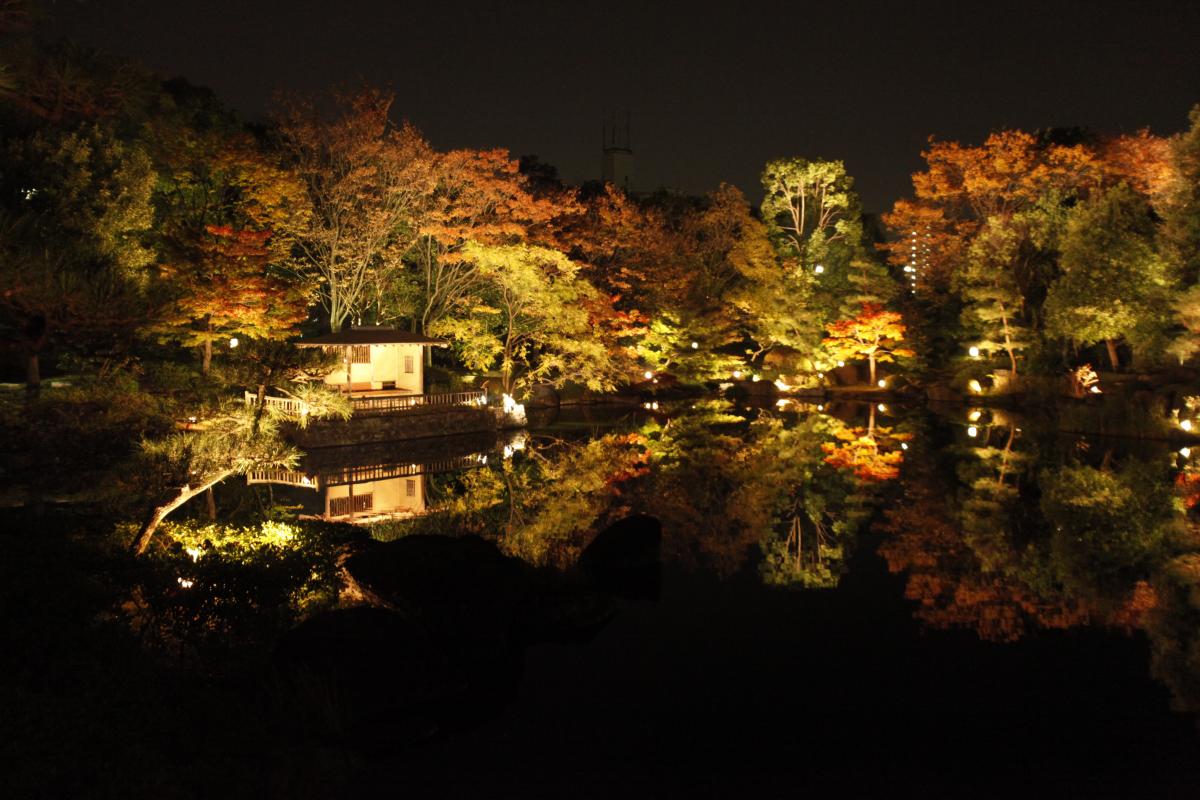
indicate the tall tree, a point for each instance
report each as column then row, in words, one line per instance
column 225, row 289
column 812, row 208
column 366, row 180
column 531, row 314
column 1114, row 284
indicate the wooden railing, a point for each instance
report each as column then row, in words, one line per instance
column 288, row 405
column 388, row 404
column 363, row 474
column 285, row 476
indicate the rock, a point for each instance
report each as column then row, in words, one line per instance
column 561, row 610
column 353, row 670
column 940, row 393
column 461, row 588
column 543, row 395
column 625, row 558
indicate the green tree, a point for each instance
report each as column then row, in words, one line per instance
column 532, row 314
column 811, row 207
column 991, row 293
column 1114, row 284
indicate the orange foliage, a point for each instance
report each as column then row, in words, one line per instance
column 963, row 186
column 946, row 580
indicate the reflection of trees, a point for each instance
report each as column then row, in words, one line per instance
column 1019, row 547
column 1110, row 528
column 1174, row 631
column 947, row 577
column 541, row 502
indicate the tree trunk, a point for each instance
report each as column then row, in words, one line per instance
column 211, row 502
column 871, row 361
column 1112, row 354
column 33, row 373
column 206, row 356
column 146, row 532
column 34, row 336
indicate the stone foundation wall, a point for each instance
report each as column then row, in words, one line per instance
column 413, row 423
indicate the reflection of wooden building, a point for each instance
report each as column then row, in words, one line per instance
column 368, row 483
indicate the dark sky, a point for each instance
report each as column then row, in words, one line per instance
column 713, row 94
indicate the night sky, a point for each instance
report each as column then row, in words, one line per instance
column 712, row 94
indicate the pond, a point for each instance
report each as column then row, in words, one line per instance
column 852, row 596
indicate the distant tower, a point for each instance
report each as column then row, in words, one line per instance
column 617, row 165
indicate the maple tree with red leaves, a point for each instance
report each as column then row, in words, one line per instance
column 224, row 289
column 875, row 334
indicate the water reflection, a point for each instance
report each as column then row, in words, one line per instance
column 998, row 524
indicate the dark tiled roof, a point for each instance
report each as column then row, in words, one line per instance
column 372, row 334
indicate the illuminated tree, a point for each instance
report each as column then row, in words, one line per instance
column 1114, row 284
column 225, row 290
column 1181, row 208
column 993, row 298
column 531, row 313
column 875, row 334
column 477, row 196
column 366, row 181
column 811, row 206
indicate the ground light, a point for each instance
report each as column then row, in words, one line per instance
column 647, row 374
column 972, row 431
column 233, row 341
column 973, row 352
column 882, row 383
column 1186, row 424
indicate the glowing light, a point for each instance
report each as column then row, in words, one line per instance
column 975, row 386
column 1186, row 452
column 973, row 351
column 654, row 405
column 781, row 386
column 185, row 583
column 512, row 408
column 782, row 402
column 195, row 553
column 820, row 408
column 1186, row 424
column 756, row 378
column 882, row 383
column 233, row 341
column 647, row 374
column 972, row 431
column 975, row 415
column 841, row 363
column 695, row 345
column 820, row 374
column 904, row 445
column 737, row 374
column 819, row 269
column 1095, row 390
column 881, row 407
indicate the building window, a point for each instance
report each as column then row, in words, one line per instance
column 410, row 488
column 342, row 506
column 408, row 365
column 360, row 354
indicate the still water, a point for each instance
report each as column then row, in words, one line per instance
column 853, row 597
